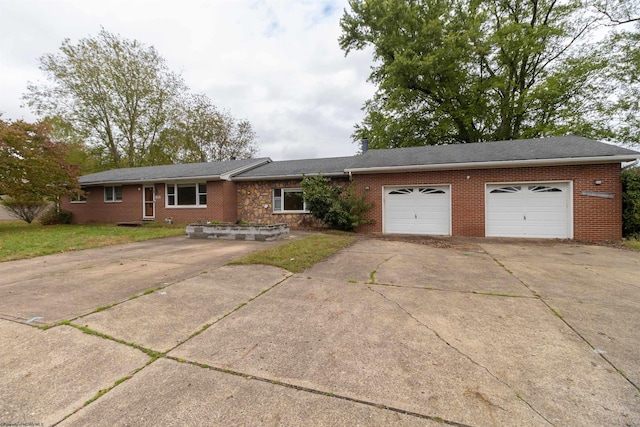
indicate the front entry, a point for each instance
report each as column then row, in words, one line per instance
column 149, row 203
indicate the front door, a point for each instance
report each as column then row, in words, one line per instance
column 149, row 203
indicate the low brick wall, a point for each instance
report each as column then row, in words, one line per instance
column 259, row 232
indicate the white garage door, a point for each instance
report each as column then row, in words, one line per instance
column 528, row 210
column 418, row 210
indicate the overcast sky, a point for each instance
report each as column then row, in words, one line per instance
column 276, row 63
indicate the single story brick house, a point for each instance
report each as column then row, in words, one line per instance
column 560, row 187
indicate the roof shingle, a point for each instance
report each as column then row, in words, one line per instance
column 330, row 166
column 210, row 170
column 564, row 147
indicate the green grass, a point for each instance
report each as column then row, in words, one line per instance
column 298, row 255
column 632, row 244
column 20, row 240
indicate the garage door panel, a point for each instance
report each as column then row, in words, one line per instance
column 418, row 210
column 532, row 210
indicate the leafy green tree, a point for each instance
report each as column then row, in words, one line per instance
column 119, row 97
column 33, row 169
column 618, row 107
column 202, row 133
column 338, row 206
column 457, row 71
column 631, row 202
column 117, row 94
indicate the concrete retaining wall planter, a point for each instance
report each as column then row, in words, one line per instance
column 259, row 232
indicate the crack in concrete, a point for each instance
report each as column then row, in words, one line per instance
column 563, row 320
column 104, row 391
column 238, row 307
column 466, row 356
column 453, row 291
column 137, row 295
column 372, row 275
column 154, row 355
column 320, row 392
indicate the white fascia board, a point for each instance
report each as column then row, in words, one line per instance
column 229, row 175
column 496, row 164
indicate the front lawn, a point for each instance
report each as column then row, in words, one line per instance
column 20, row 240
column 298, row 255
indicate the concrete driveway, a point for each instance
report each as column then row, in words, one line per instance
column 475, row 332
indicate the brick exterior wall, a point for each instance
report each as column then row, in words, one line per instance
column 255, row 204
column 221, row 206
column 594, row 219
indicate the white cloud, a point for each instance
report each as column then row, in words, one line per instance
column 275, row 63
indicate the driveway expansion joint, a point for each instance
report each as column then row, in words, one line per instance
column 569, row 325
column 452, row 291
column 466, row 356
column 104, row 391
column 149, row 352
column 319, row 392
column 238, row 307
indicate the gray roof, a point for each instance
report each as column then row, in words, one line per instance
column 568, row 149
column 523, row 152
column 331, row 166
column 207, row 170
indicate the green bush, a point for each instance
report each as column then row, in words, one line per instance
column 340, row 207
column 631, row 202
column 55, row 216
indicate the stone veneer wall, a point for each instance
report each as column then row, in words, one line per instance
column 255, row 204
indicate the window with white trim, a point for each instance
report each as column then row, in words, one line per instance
column 289, row 200
column 194, row 195
column 79, row 197
column 402, row 191
column 113, row 194
column 431, row 191
column 510, row 189
column 544, row 189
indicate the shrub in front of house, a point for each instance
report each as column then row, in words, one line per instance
column 55, row 216
column 631, row 202
column 340, row 207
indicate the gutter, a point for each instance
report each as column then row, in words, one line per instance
column 496, row 164
column 152, row 180
column 297, row 176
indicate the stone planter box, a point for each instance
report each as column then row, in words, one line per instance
column 260, row 232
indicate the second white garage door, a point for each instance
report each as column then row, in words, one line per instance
column 418, row 210
column 529, row 210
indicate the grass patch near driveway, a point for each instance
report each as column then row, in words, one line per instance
column 298, row 255
column 19, row 240
column 632, row 244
